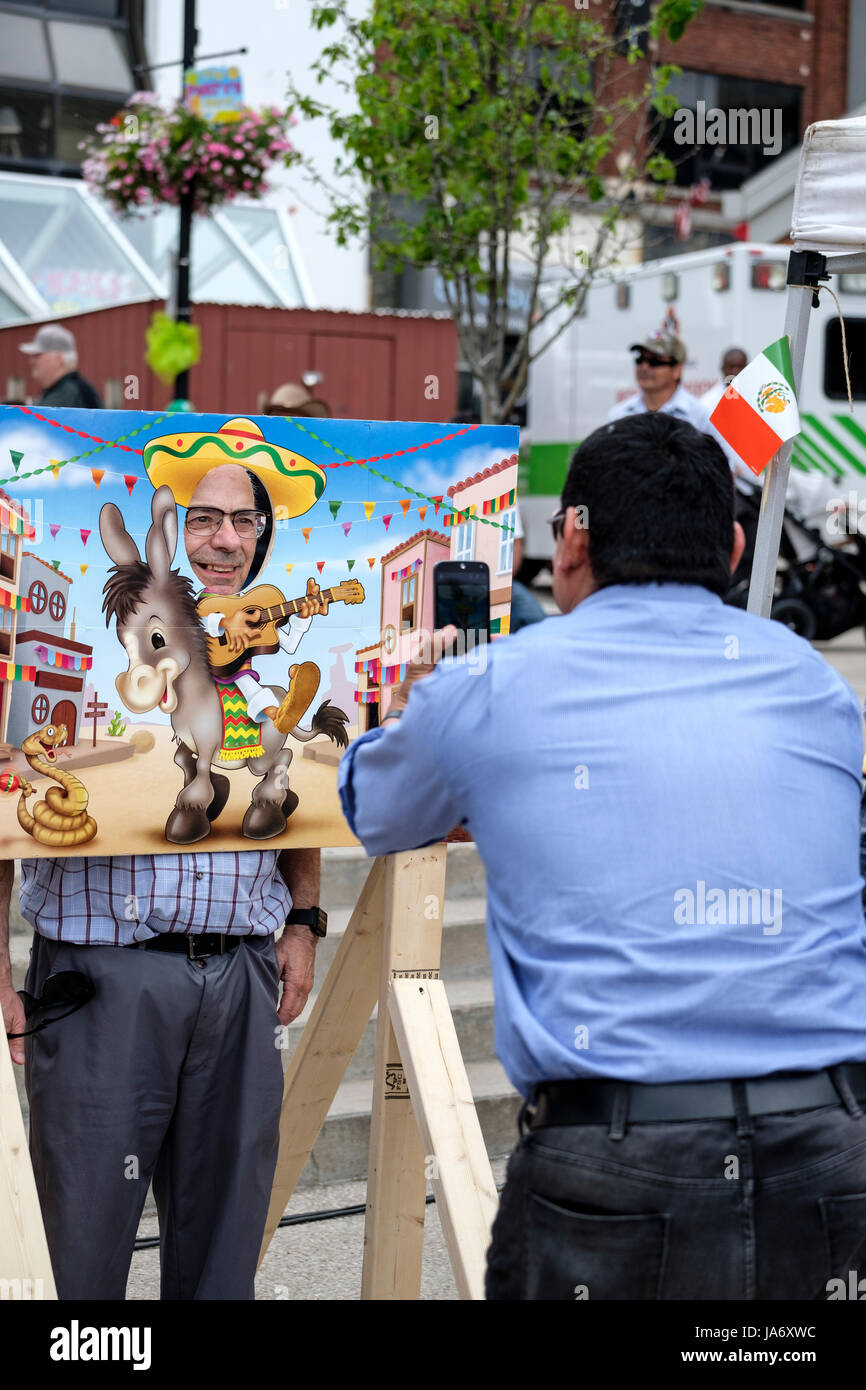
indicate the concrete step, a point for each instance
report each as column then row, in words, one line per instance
column 471, row 1007
column 464, row 939
column 344, row 872
column 342, row 1148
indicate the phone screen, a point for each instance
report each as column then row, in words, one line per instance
column 463, row 599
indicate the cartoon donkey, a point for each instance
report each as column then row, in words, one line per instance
column 159, row 628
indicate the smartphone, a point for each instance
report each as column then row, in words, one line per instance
column 461, row 598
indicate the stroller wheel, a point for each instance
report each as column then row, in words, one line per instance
column 796, row 615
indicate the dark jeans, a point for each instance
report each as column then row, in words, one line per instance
column 764, row 1207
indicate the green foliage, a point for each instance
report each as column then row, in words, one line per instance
column 470, row 125
column 116, row 727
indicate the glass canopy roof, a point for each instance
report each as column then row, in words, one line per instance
column 63, row 251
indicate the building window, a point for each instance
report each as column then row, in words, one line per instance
column 768, row 111
column 39, row 709
column 38, row 595
column 464, row 541
column 389, row 641
column 834, row 362
column 408, row 591
column 506, row 541
column 57, row 606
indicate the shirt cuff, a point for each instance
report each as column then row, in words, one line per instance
column 345, row 787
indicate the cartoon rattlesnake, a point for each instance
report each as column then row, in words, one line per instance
column 61, row 819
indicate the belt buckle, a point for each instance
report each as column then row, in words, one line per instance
column 191, row 943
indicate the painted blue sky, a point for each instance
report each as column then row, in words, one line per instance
column 73, row 503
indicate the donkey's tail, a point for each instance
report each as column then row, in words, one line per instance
column 328, row 720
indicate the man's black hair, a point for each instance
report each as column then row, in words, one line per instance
column 262, row 503
column 660, row 503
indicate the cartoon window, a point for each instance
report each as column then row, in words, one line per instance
column 57, row 606
column 39, row 709
column 38, row 595
column 408, row 591
column 464, row 543
column 390, row 639
column 506, row 541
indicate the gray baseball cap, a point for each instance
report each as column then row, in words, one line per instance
column 50, row 338
column 663, row 344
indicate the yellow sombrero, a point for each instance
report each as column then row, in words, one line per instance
column 181, row 460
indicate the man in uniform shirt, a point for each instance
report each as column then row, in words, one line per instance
column 676, row 932
column 659, row 369
column 172, row 1070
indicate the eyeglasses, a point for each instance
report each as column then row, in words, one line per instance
column 66, row 988
column 557, row 525
column 206, row 521
column 644, row 359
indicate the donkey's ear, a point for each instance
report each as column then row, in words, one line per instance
column 161, row 540
column 119, row 545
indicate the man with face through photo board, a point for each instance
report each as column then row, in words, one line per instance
column 171, row 1071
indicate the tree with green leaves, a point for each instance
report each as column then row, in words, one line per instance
column 486, row 136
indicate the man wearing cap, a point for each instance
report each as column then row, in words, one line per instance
column 659, row 369
column 54, row 369
column 171, row 1072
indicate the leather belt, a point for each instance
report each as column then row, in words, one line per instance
column 191, row 946
column 592, row 1102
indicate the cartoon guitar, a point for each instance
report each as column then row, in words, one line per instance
column 266, row 606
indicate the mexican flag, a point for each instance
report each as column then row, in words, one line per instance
column 758, row 411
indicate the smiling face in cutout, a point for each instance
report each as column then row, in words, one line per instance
column 221, row 561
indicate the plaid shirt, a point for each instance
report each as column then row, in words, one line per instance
column 119, row 900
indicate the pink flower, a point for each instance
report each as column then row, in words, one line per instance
column 215, row 164
column 247, row 183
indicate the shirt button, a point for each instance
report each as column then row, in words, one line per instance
column 199, row 875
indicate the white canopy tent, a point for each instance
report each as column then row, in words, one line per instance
column 829, row 235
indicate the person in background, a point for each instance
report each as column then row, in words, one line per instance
column 658, row 370
column 733, row 362
column 54, row 369
column 678, row 970
column 294, row 399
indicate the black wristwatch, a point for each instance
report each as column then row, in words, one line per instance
column 312, row 917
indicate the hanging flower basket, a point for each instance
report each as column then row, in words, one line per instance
column 148, row 155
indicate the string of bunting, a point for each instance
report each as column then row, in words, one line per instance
column 9, row 671
column 407, row 569
column 367, row 697
column 67, row 661
column 20, row 602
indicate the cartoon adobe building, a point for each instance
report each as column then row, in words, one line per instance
column 15, row 528
column 492, row 494
column 59, row 663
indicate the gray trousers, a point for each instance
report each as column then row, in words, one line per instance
column 172, row 1072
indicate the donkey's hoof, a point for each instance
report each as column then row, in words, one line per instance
column 221, row 786
column 263, row 821
column 185, row 825
column 290, row 804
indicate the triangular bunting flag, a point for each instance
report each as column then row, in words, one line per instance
column 422, row 512
column 55, row 469
column 437, row 503
column 54, row 527
column 320, row 565
column 130, row 480
column 97, row 474
column 335, row 507
column 369, row 508
column 347, row 526
column 289, row 569
column 16, row 458
column 306, row 532
column 84, row 535
column 350, row 565
column 387, row 520
column 84, row 568
column 371, row 560
column 56, row 564
column 405, row 503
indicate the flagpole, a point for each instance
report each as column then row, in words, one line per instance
column 763, row 582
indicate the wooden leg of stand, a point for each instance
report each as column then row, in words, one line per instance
column 340, row 1015
column 25, row 1265
column 448, row 1123
column 396, row 1179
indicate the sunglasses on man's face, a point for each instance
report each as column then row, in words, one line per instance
column 68, row 989
column 557, row 525
column 644, row 359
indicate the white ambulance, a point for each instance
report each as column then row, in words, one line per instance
column 730, row 296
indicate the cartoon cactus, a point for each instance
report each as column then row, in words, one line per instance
column 115, row 728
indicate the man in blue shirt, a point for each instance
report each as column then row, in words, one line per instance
column 665, row 795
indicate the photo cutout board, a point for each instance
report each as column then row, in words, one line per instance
column 199, row 612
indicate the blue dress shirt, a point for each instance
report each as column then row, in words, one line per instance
column 665, row 794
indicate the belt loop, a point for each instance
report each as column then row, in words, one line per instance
column 745, row 1124
column 839, row 1077
column 619, row 1111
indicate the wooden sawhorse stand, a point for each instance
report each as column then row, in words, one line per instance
column 424, row 1120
